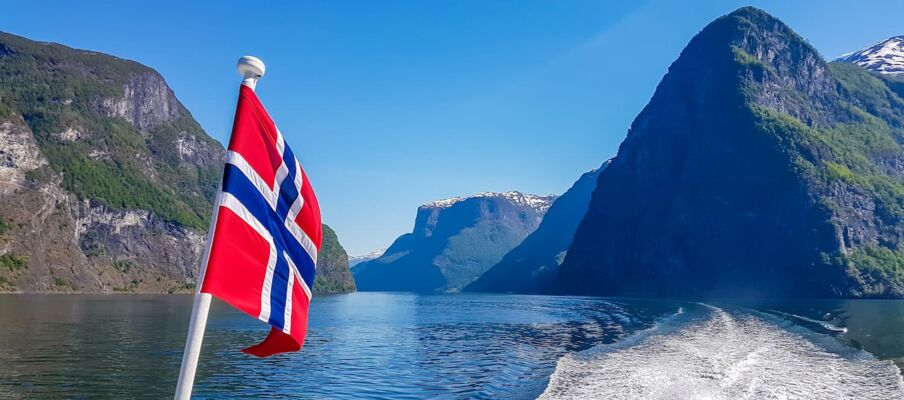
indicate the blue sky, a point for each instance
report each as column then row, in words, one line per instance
column 392, row 104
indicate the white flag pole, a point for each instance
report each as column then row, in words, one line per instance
column 251, row 68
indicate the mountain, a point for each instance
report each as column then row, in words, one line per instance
column 756, row 169
column 106, row 180
column 333, row 273
column 454, row 241
column 533, row 265
column 885, row 57
column 355, row 260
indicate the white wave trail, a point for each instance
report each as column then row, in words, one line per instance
column 827, row 326
column 721, row 356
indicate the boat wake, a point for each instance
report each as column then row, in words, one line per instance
column 824, row 325
column 709, row 353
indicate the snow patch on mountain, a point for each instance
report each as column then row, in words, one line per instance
column 539, row 203
column 886, row 57
column 355, row 260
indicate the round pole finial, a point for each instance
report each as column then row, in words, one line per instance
column 251, row 67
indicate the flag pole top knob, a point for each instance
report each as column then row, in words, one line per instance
column 250, row 65
column 251, row 68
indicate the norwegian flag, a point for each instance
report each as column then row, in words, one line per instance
column 266, row 232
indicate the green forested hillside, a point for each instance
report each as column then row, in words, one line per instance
column 122, row 162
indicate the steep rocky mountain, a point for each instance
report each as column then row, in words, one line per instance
column 885, row 57
column 333, row 273
column 454, row 241
column 756, row 169
column 106, row 180
column 533, row 265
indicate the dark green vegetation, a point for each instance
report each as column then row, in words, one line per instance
column 119, row 156
column 12, row 266
column 533, row 265
column 453, row 243
column 757, row 169
column 12, row 262
column 333, row 275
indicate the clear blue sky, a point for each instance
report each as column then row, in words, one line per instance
column 392, row 104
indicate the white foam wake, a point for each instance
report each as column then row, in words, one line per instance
column 718, row 355
column 825, row 325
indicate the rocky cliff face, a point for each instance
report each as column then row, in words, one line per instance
column 95, row 194
column 55, row 241
column 532, row 266
column 106, row 180
column 333, row 274
column 454, row 241
column 756, row 169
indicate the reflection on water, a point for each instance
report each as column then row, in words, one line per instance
column 359, row 345
column 81, row 346
column 390, row 345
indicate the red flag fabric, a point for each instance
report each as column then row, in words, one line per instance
column 267, row 231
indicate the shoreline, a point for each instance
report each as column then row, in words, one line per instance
column 128, row 293
column 738, row 301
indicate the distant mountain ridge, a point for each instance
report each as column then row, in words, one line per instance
column 355, row 260
column 533, row 266
column 453, row 242
column 538, row 203
column 106, row 180
column 885, row 57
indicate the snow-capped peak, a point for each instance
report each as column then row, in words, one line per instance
column 355, row 260
column 539, row 203
column 886, row 57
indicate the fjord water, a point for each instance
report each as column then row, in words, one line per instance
column 396, row 345
column 378, row 345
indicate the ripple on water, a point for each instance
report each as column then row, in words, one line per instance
column 362, row 345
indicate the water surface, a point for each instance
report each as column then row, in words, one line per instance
column 728, row 352
column 397, row 345
column 359, row 345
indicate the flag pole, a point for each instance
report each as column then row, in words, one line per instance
column 251, row 68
